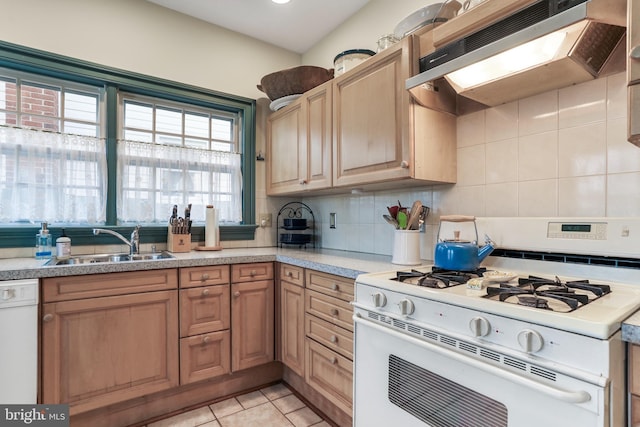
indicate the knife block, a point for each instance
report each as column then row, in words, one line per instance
column 178, row 242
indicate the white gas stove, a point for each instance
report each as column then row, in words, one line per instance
column 500, row 337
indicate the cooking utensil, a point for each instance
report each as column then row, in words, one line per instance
column 460, row 255
column 390, row 220
column 413, row 223
column 402, row 220
column 393, row 211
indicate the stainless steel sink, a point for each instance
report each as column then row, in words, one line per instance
column 100, row 258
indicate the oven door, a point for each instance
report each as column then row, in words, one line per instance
column 402, row 380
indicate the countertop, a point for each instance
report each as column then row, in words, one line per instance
column 341, row 263
column 631, row 329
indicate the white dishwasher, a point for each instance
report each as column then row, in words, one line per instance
column 19, row 341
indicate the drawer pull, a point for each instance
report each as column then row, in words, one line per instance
column 290, row 273
column 334, row 311
column 47, row 317
column 204, row 277
column 333, row 339
column 205, row 292
column 206, row 340
column 334, row 360
column 236, row 294
column 335, row 287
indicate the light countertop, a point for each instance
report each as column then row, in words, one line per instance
column 341, row 263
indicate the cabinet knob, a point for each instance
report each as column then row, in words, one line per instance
column 303, row 181
column 335, row 287
column 634, row 53
column 47, row 317
column 204, row 277
column 334, row 360
column 290, row 273
column 236, row 294
column 404, row 164
column 334, row 311
column 252, row 273
column 205, row 292
column 206, row 340
column 333, row 339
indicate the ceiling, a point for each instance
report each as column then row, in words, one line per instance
column 295, row 26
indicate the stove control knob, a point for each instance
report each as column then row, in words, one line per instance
column 530, row 340
column 480, row 327
column 379, row 300
column 406, row 307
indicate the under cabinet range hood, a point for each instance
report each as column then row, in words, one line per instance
column 546, row 45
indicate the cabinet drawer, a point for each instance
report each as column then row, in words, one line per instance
column 292, row 274
column 203, row 310
column 334, row 337
column 336, row 286
column 205, row 356
column 204, row 276
column 330, row 374
column 100, row 285
column 251, row 272
column 634, row 369
column 331, row 309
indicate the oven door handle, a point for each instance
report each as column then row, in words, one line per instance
column 564, row 395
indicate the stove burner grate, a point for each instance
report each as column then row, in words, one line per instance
column 437, row 277
column 549, row 294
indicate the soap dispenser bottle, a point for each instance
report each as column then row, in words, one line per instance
column 43, row 243
column 63, row 246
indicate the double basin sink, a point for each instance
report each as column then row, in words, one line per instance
column 100, row 258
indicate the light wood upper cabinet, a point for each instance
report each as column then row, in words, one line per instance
column 102, row 350
column 299, row 144
column 633, row 70
column 380, row 134
column 371, row 118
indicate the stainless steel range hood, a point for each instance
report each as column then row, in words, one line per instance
column 547, row 45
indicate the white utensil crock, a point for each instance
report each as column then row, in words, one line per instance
column 406, row 247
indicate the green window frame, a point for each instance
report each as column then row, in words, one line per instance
column 114, row 80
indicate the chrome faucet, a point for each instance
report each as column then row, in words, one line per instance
column 134, row 243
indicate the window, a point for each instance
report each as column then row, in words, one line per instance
column 89, row 162
column 177, row 154
column 52, row 159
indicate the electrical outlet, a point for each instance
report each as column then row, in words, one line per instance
column 265, row 220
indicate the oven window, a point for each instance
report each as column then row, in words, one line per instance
column 438, row 401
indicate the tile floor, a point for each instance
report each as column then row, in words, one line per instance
column 273, row 406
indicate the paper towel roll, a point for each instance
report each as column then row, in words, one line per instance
column 211, row 227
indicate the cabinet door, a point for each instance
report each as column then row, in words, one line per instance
column 99, row 351
column 204, row 310
column 292, row 326
column 318, row 134
column 252, row 322
column 285, row 145
column 371, row 111
column 204, row 356
column 299, row 144
column 330, row 374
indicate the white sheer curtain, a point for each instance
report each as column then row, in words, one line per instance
column 153, row 177
column 52, row 177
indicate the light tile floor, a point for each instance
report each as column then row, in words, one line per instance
column 274, row 406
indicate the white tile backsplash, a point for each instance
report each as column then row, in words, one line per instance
column 582, row 196
column 538, row 156
column 583, row 103
column 582, row 150
column 502, row 122
column 538, row 114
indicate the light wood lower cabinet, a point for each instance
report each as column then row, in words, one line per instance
column 205, row 356
column 292, row 322
column 252, row 321
column 634, row 384
column 330, row 374
column 101, row 350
